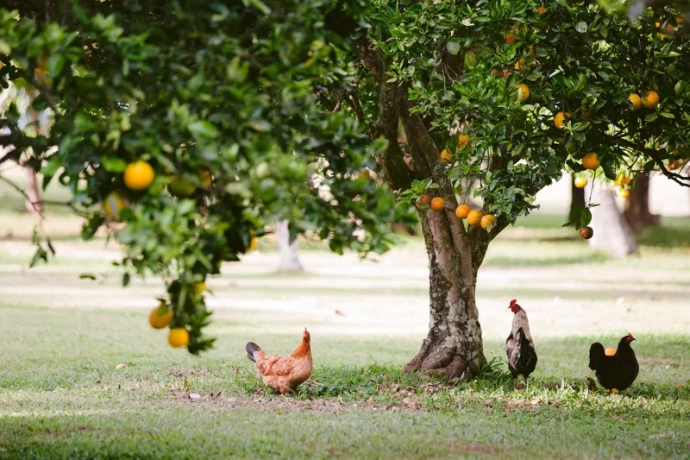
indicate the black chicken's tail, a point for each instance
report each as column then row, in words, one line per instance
column 596, row 356
column 526, row 359
column 251, row 349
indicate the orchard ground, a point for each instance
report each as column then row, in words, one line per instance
column 61, row 395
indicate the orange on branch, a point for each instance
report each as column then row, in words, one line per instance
column 205, row 178
column 651, row 99
column 178, row 337
column 586, row 233
column 474, row 217
column 112, row 205
column 160, row 317
column 591, row 161
column 559, row 119
column 487, row 221
column 624, row 193
column 423, row 200
column 462, row 211
column 524, row 92
column 510, row 38
column 446, row 157
column 635, row 100
column 463, row 139
column 138, row 175
column 580, row 182
column 437, row 203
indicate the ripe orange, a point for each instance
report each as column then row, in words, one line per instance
column 542, row 10
column 446, row 157
column 138, row 175
column 437, row 203
column 524, row 92
column 178, row 337
column 610, row 351
column 622, row 180
column 679, row 21
column 463, row 139
column 651, row 100
column 559, row 119
column 423, row 200
column 474, row 218
column 462, row 211
column 112, row 205
column 253, row 244
column 635, row 100
column 365, row 174
column 206, row 178
column 624, row 193
column 520, row 65
column 510, row 38
column 591, row 161
column 580, row 182
column 586, row 233
column 199, row 287
column 675, row 165
column 160, row 317
column 487, row 222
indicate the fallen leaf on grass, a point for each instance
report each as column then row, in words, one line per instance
column 120, row 366
column 659, row 436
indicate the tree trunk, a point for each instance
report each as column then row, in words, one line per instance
column 636, row 211
column 289, row 257
column 33, row 198
column 453, row 347
column 577, row 196
column 612, row 234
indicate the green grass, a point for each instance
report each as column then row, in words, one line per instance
column 62, row 397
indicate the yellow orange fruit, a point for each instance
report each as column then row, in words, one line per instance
column 446, row 157
column 474, row 218
column 199, row 287
column 253, row 244
column 542, row 10
column 559, row 119
column 610, row 351
column 635, row 100
column 462, row 211
column 423, row 200
column 591, row 161
column 437, row 203
column 651, row 99
column 510, row 38
column 524, row 92
column 580, row 182
column 138, row 175
column 520, row 65
column 178, row 337
column 624, row 193
column 160, row 317
column 112, row 205
column 463, row 139
column 487, row 221
column 622, row 180
column 205, row 178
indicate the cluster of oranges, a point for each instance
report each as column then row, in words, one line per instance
column 161, row 316
column 462, row 212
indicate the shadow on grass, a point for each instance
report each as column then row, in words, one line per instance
column 666, row 237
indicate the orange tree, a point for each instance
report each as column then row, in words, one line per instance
column 495, row 99
column 182, row 127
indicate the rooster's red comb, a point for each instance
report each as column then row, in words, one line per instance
column 513, row 302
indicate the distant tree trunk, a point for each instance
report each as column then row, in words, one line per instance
column 289, row 257
column 636, row 212
column 612, row 234
column 577, row 196
column 33, row 198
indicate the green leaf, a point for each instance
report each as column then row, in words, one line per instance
column 113, row 164
column 453, row 47
column 87, row 276
column 56, row 63
column 203, row 128
column 125, row 279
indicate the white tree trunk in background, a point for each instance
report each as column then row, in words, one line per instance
column 612, row 234
column 289, row 258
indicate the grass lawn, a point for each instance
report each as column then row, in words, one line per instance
column 61, row 395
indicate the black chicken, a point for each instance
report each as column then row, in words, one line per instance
column 522, row 358
column 618, row 371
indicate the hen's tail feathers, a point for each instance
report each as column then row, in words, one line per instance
column 596, row 356
column 251, row 349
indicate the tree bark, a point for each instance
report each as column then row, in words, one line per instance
column 577, row 196
column 612, row 234
column 636, row 211
column 289, row 256
column 453, row 347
